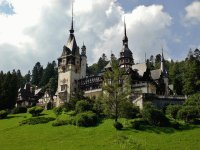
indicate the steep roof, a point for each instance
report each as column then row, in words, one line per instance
column 155, row 74
column 71, row 43
column 141, row 68
column 108, row 65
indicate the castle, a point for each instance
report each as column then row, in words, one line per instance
column 72, row 73
column 146, row 84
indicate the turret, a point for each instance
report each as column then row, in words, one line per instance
column 69, row 68
column 126, row 56
column 83, row 61
column 164, row 74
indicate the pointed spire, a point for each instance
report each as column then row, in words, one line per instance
column 162, row 62
column 145, row 57
column 72, row 24
column 124, row 27
column 83, row 52
column 162, row 56
column 125, row 39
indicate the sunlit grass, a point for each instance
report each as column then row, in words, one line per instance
column 102, row 137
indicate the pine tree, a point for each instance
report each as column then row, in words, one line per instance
column 116, row 90
column 37, row 73
column 49, row 72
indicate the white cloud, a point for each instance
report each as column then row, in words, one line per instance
column 38, row 30
column 147, row 28
column 193, row 13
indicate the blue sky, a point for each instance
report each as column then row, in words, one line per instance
column 32, row 31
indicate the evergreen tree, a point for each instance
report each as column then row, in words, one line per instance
column 176, row 71
column 8, row 90
column 116, row 91
column 190, row 78
column 49, row 72
column 27, row 77
column 37, row 73
column 21, row 79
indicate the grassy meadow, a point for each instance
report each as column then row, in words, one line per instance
column 102, row 137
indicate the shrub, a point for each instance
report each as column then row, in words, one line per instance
column 98, row 108
column 194, row 100
column 118, row 125
column 57, row 111
column 130, row 111
column 35, row 111
column 36, row 120
column 82, row 106
column 18, row 110
column 71, row 113
column 172, row 110
column 188, row 113
column 155, row 117
column 71, row 104
column 86, row 119
column 135, row 124
column 175, row 125
column 3, row 114
column 59, row 122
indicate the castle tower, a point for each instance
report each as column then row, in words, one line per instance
column 70, row 69
column 162, row 62
column 164, row 74
column 83, row 61
column 126, row 57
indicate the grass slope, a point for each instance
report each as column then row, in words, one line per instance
column 102, row 137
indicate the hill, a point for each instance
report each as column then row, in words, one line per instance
column 104, row 136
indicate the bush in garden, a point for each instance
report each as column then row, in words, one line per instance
column 60, row 122
column 57, row 111
column 194, row 100
column 36, row 120
column 71, row 113
column 188, row 113
column 86, row 119
column 175, row 125
column 129, row 111
column 35, row 111
column 154, row 116
column 3, row 114
column 136, row 124
column 118, row 125
column 98, row 108
column 82, row 106
column 18, row 110
column 71, row 104
column 172, row 110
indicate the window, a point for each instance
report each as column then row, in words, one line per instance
column 63, row 61
column 64, row 87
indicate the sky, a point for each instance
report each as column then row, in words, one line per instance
column 35, row 31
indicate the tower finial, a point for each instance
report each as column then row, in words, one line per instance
column 125, row 39
column 124, row 26
column 145, row 57
column 162, row 61
column 162, row 57
column 72, row 24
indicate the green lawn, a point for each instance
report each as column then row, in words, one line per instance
column 102, row 137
